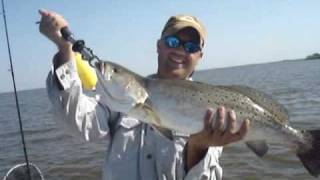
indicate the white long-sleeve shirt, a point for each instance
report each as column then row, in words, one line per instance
column 136, row 150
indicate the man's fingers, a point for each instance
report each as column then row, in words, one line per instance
column 43, row 12
column 51, row 24
column 52, row 20
column 233, row 137
column 219, row 124
column 231, row 124
column 244, row 128
column 47, row 15
column 242, row 131
column 208, row 120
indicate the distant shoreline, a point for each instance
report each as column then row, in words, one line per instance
column 303, row 59
column 291, row 60
column 254, row 64
column 315, row 56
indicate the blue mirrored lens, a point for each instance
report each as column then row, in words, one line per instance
column 172, row 42
column 191, row 47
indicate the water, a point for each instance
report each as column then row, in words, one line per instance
column 57, row 155
column 296, row 85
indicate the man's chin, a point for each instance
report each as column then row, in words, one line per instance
column 176, row 74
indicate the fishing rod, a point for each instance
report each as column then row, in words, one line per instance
column 18, row 171
column 15, row 91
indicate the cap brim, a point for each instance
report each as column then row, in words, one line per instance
column 181, row 25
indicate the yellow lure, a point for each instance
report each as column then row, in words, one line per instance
column 86, row 73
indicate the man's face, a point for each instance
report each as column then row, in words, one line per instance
column 176, row 63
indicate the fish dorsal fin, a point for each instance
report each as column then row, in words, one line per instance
column 259, row 147
column 265, row 101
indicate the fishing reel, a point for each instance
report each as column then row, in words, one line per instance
column 80, row 47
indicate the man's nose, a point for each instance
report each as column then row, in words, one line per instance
column 180, row 51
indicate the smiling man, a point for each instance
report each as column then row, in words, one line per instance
column 180, row 47
column 137, row 150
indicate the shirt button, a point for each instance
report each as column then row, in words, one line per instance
column 67, row 71
column 62, row 76
column 151, row 128
column 149, row 156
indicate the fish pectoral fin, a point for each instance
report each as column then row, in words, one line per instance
column 151, row 114
column 145, row 113
column 259, row 147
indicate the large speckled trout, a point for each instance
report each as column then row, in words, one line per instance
column 181, row 105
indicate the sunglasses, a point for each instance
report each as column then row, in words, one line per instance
column 175, row 42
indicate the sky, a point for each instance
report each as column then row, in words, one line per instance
column 239, row 32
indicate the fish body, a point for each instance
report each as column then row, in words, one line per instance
column 180, row 105
column 183, row 104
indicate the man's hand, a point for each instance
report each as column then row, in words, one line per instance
column 50, row 26
column 217, row 135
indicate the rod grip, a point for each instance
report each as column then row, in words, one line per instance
column 66, row 33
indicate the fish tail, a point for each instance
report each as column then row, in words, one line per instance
column 310, row 156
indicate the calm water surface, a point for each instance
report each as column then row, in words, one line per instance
column 296, row 85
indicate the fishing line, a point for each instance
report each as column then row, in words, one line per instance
column 15, row 92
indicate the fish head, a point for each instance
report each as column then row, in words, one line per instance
column 121, row 89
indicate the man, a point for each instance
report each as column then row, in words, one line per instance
column 137, row 150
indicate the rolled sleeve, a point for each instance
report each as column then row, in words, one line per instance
column 81, row 115
column 208, row 168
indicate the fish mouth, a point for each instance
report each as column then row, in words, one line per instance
column 101, row 67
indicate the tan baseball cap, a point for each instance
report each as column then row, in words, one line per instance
column 178, row 22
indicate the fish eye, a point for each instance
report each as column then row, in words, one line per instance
column 115, row 69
